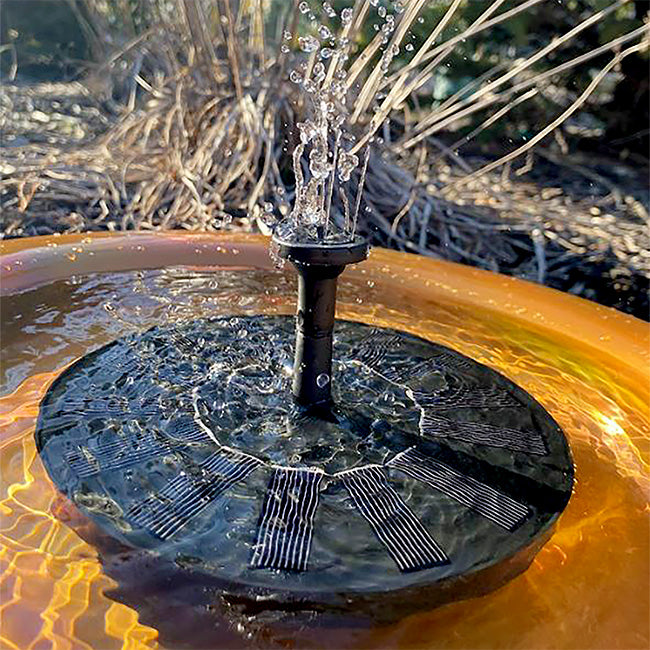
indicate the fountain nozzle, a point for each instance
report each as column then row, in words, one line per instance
column 319, row 263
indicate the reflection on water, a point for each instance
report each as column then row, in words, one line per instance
column 586, row 588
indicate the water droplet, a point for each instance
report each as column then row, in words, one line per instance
column 318, row 165
column 303, row 7
column 409, row 47
column 311, row 217
column 326, row 53
column 322, row 380
column 329, row 10
column 346, row 165
column 308, row 43
column 324, row 32
column 295, row 76
column 346, row 16
column 319, row 71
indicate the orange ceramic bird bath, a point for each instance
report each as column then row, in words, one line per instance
column 587, row 365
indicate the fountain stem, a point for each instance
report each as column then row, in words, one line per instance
column 312, row 368
column 318, row 264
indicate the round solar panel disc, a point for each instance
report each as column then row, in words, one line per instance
column 184, row 441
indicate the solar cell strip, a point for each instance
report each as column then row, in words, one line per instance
column 405, row 538
column 186, row 495
column 114, row 455
column 81, row 464
column 448, row 360
column 118, row 454
column 107, row 408
column 465, row 397
column 187, row 430
column 286, row 523
column 484, row 499
column 435, row 426
column 373, row 348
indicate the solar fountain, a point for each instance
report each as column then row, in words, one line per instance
column 400, row 466
column 191, row 464
column 288, row 481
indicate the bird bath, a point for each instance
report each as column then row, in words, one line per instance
column 72, row 577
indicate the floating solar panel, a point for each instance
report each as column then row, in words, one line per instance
column 201, row 457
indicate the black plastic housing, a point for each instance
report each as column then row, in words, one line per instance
column 318, row 264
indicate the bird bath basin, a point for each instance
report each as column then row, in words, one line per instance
column 66, row 581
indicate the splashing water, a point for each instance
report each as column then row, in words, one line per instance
column 323, row 161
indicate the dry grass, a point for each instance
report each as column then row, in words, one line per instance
column 204, row 142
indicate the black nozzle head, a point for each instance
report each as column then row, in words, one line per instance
column 304, row 250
